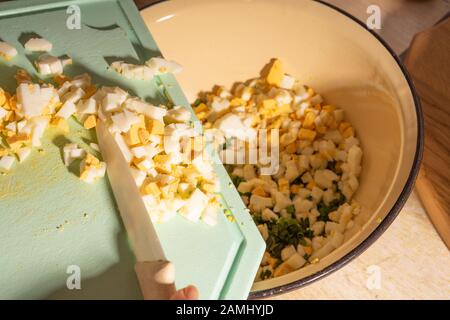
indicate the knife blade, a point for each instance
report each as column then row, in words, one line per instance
column 155, row 274
column 137, row 222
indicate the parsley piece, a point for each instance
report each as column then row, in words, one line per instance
column 237, row 180
column 309, row 234
column 290, row 209
column 265, row 274
column 258, row 219
column 324, row 210
column 331, row 165
column 297, row 180
column 284, row 232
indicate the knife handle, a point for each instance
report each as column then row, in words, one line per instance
column 156, row 279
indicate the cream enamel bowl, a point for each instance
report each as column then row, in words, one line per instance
column 219, row 42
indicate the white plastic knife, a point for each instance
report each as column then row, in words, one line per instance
column 155, row 274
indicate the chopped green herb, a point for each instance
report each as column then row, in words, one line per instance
column 265, row 274
column 331, row 165
column 336, row 203
column 286, row 231
column 258, row 218
column 297, row 180
column 309, row 234
column 197, row 102
column 302, row 242
column 237, row 180
column 324, row 210
column 304, row 223
column 290, row 209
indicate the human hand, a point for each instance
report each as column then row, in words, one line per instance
column 188, row 293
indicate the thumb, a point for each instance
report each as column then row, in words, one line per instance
column 188, row 293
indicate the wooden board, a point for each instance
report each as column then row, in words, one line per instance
column 400, row 19
column 427, row 61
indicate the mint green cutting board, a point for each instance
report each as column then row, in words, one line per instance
column 50, row 220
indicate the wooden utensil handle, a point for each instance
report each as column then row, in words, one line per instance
column 156, row 279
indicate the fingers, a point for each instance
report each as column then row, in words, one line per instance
column 188, row 293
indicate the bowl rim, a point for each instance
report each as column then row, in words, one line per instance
column 399, row 203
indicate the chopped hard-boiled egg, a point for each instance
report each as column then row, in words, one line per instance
column 47, row 64
column 6, row 162
column 94, row 146
column 23, row 153
column 7, row 51
column 132, row 71
column 160, row 66
column 34, row 99
column 299, row 208
column 91, row 169
column 274, row 75
column 178, row 114
column 72, row 152
column 38, row 126
column 194, row 205
column 67, row 110
column 38, row 44
column 163, row 149
column 154, row 66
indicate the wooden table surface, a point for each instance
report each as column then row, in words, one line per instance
column 412, row 260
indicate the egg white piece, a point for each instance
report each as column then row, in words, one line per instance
column 232, row 126
column 39, row 124
column 113, row 101
column 23, row 154
column 178, row 114
column 38, row 45
column 194, row 206
column 12, row 126
column 48, row 64
column 71, row 151
column 68, row 109
column 210, row 216
column 3, row 113
column 6, row 162
column 287, row 82
column 147, row 109
column 7, row 51
column 132, row 71
column 94, row 146
column 92, row 173
column 87, row 106
column 160, row 66
column 124, row 120
column 81, row 81
column 32, row 99
column 138, row 175
column 21, row 125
